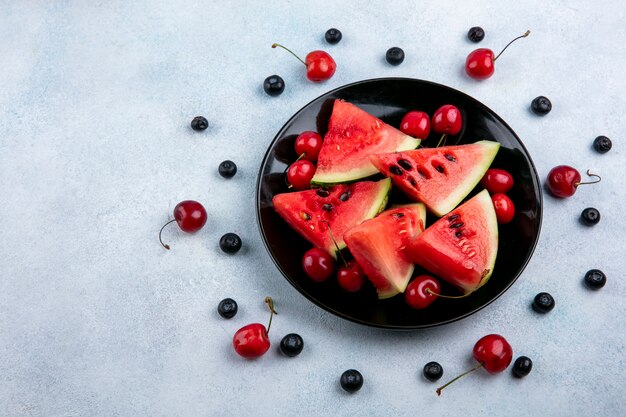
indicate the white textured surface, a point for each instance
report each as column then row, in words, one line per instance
column 95, row 150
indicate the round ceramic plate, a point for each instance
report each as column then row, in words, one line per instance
column 389, row 99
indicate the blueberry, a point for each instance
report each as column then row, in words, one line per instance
column 333, row 36
column 227, row 308
column 522, row 366
column 351, row 380
column 602, row 144
column 274, row 85
column 395, row 56
column 199, row 123
column 595, row 279
column 541, row 105
column 433, row 371
column 543, row 303
column 590, row 216
column 227, row 169
column 230, row 243
column 476, row 34
column 291, row 345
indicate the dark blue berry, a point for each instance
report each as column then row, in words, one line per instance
column 595, row 279
column 227, row 169
column 351, row 380
column 590, row 216
column 476, row 34
column 333, row 36
column 199, row 123
column 522, row 366
column 230, row 243
column 541, row 105
column 602, row 144
column 291, row 345
column 227, row 308
column 274, row 85
column 395, row 56
column 433, row 371
column 543, row 303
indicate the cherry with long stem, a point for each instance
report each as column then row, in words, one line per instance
column 480, row 365
column 165, row 245
column 509, row 44
column 274, row 45
column 270, row 304
column 589, row 174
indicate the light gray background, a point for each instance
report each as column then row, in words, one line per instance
column 96, row 319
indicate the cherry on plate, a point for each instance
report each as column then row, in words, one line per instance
column 351, row 277
column 422, row 292
column 300, row 173
column 447, row 120
column 416, row 123
column 497, row 181
column 318, row 264
column 308, row 145
column 504, row 207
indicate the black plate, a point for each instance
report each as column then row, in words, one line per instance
column 389, row 99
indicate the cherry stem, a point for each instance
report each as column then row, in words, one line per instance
column 508, row 44
column 270, row 304
column 165, row 245
column 454, row 297
column 458, row 377
column 598, row 179
column 335, row 242
column 274, row 45
column 443, row 139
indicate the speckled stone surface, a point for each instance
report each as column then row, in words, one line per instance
column 96, row 319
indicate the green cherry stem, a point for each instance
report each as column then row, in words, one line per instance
column 453, row 297
column 443, row 139
column 274, row 45
column 458, row 377
column 597, row 179
column 509, row 44
column 335, row 243
column 270, row 304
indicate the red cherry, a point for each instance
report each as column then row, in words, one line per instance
column 416, row 295
column 563, row 180
column 447, row 119
column 252, row 341
column 480, row 63
column 492, row 352
column 190, row 217
column 300, row 173
column 351, row 277
column 504, row 207
column 416, row 124
column 308, row 145
column 497, row 181
column 320, row 66
column 318, row 264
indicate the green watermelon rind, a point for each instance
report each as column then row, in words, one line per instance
column 362, row 172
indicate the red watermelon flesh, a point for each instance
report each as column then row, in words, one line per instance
column 438, row 177
column 378, row 247
column 353, row 135
column 461, row 247
column 312, row 212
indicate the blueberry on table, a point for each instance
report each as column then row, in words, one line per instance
column 395, row 56
column 433, row 371
column 602, row 144
column 476, row 34
column 227, row 169
column 227, row 308
column 595, row 279
column 590, row 216
column 333, row 36
column 230, row 243
column 274, row 85
column 291, row 345
column 199, row 123
column 522, row 366
column 543, row 303
column 541, row 105
column 351, row 380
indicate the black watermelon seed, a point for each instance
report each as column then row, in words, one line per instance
column 450, row 157
column 322, row 192
column 395, row 170
column 345, row 196
column 456, row 225
column 458, row 234
column 398, row 215
column 412, row 182
column 327, row 207
column 453, row 217
column 439, row 168
column 405, row 164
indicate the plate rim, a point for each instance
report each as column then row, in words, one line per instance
column 391, row 326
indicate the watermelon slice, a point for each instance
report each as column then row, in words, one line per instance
column 461, row 247
column 378, row 247
column 439, row 177
column 352, row 136
column 312, row 212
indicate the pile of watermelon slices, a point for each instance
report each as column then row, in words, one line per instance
column 347, row 206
